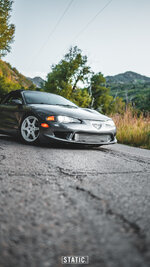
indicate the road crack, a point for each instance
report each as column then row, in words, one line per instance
column 127, row 225
column 69, row 172
column 72, row 173
column 127, row 156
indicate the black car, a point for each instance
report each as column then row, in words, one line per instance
column 37, row 115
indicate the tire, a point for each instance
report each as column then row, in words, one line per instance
column 29, row 129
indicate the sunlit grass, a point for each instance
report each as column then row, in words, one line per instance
column 132, row 129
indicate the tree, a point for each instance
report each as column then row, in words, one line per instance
column 6, row 29
column 117, row 106
column 101, row 98
column 3, row 88
column 73, row 79
column 65, row 77
column 6, row 87
column 100, row 93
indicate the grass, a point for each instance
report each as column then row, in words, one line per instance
column 133, row 129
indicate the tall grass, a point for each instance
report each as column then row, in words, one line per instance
column 133, row 129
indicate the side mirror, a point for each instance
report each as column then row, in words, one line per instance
column 16, row 102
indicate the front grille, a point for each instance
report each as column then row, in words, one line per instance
column 92, row 138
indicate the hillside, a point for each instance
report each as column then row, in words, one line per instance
column 132, row 87
column 38, row 81
column 12, row 76
column 127, row 77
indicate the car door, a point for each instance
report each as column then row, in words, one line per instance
column 10, row 114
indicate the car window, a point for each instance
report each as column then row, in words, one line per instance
column 46, row 98
column 8, row 100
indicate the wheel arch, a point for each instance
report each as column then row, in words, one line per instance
column 26, row 114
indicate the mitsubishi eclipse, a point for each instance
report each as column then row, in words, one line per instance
column 35, row 115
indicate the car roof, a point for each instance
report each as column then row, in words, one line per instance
column 38, row 92
column 29, row 91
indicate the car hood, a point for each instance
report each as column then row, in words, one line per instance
column 78, row 113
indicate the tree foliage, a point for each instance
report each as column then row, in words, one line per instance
column 65, row 77
column 6, row 29
column 73, row 79
column 6, row 87
column 136, row 94
column 98, row 91
column 101, row 98
column 11, row 79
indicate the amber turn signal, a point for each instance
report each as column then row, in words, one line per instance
column 50, row 118
column 44, row 125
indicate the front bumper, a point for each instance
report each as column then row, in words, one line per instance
column 80, row 134
column 55, row 139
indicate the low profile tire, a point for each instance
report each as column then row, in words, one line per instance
column 29, row 129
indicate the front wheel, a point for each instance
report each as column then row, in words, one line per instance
column 29, row 129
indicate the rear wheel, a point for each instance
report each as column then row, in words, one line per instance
column 29, row 129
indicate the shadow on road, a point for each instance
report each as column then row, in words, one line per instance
column 8, row 138
column 47, row 145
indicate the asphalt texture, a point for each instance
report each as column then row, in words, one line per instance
column 57, row 201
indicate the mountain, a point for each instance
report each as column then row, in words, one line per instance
column 12, row 76
column 132, row 88
column 38, row 81
column 127, row 77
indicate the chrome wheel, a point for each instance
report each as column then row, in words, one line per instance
column 30, row 129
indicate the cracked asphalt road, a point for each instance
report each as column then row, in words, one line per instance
column 60, row 201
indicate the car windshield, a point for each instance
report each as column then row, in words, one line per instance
column 46, row 98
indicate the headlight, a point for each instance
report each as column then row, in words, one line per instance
column 65, row 119
column 110, row 123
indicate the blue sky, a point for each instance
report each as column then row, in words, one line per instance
column 117, row 40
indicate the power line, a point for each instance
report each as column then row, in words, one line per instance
column 92, row 19
column 54, row 29
column 57, row 24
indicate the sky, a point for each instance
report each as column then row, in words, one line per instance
column 114, row 34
